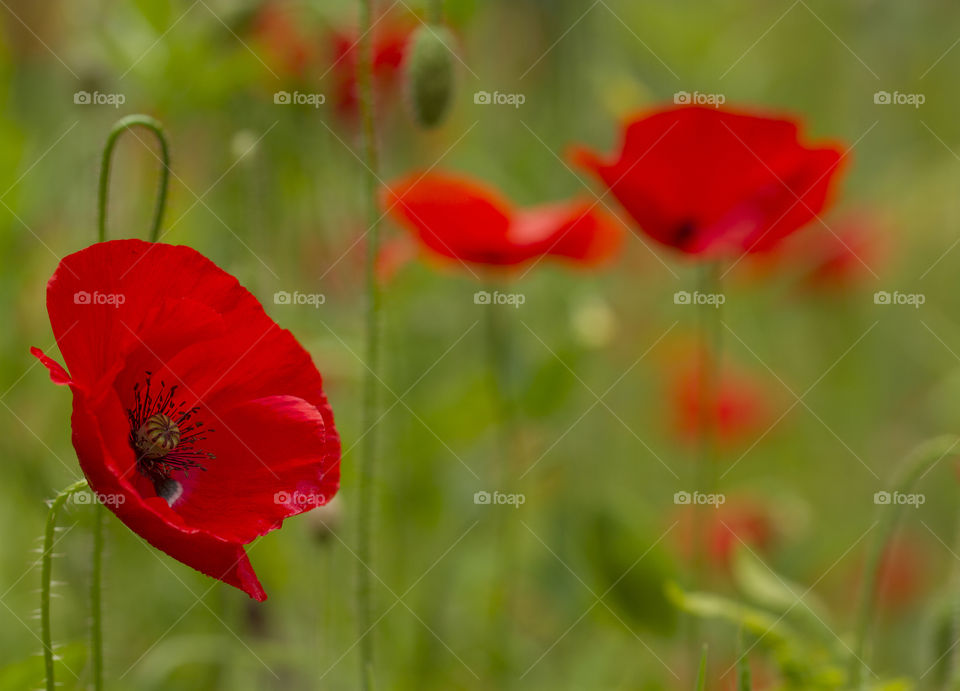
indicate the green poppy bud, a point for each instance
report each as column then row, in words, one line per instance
column 430, row 74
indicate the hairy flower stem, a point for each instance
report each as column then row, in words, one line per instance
column 96, row 607
column 498, row 358
column 917, row 464
column 119, row 128
column 367, row 467
column 46, row 569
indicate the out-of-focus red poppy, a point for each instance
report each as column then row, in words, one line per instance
column 724, row 528
column 289, row 50
column 465, row 220
column 843, row 257
column 714, row 182
column 391, row 34
column 201, row 423
column 734, row 407
column 902, row 578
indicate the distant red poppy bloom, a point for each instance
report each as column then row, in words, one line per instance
column 463, row 219
column 709, row 181
column 903, row 573
column 391, row 34
column 289, row 49
column 199, row 422
column 724, row 528
column 738, row 409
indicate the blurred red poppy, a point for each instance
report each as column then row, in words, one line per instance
column 737, row 412
column 844, row 256
column 464, row 219
column 289, row 50
column 710, row 181
column 196, row 419
column 391, row 34
column 903, row 573
column 724, row 528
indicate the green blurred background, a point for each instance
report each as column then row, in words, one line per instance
column 473, row 596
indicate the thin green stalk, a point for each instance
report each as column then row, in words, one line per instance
column 953, row 664
column 367, row 466
column 119, row 128
column 498, row 362
column 46, row 569
column 96, row 607
column 710, row 344
column 923, row 458
column 435, row 11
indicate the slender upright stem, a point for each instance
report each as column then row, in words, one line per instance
column 367, row 467
column 499, row 364
column 435, row 11
column 119, row 128
column 915, row 466
column 96, row 607
column 708, row 373
column 46, row 569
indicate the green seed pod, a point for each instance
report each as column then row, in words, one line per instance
column 430, row 74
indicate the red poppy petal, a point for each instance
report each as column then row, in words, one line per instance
column 578, row 230
column 453, row 216
column 58, row 375
column 269, row 474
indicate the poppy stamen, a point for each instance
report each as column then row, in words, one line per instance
column 163, row 434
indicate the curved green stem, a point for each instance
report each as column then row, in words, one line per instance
column 367, row 465
column 45, row 572
column 119, row 128
column 96, row 607
column 923, row 458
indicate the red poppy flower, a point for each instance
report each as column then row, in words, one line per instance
column 200, row 421
column 291, row 51
column 725, row 528
column 705, row 180
column 903, row 574
column 391, row 34
column 737, row 412
column 466, row 220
